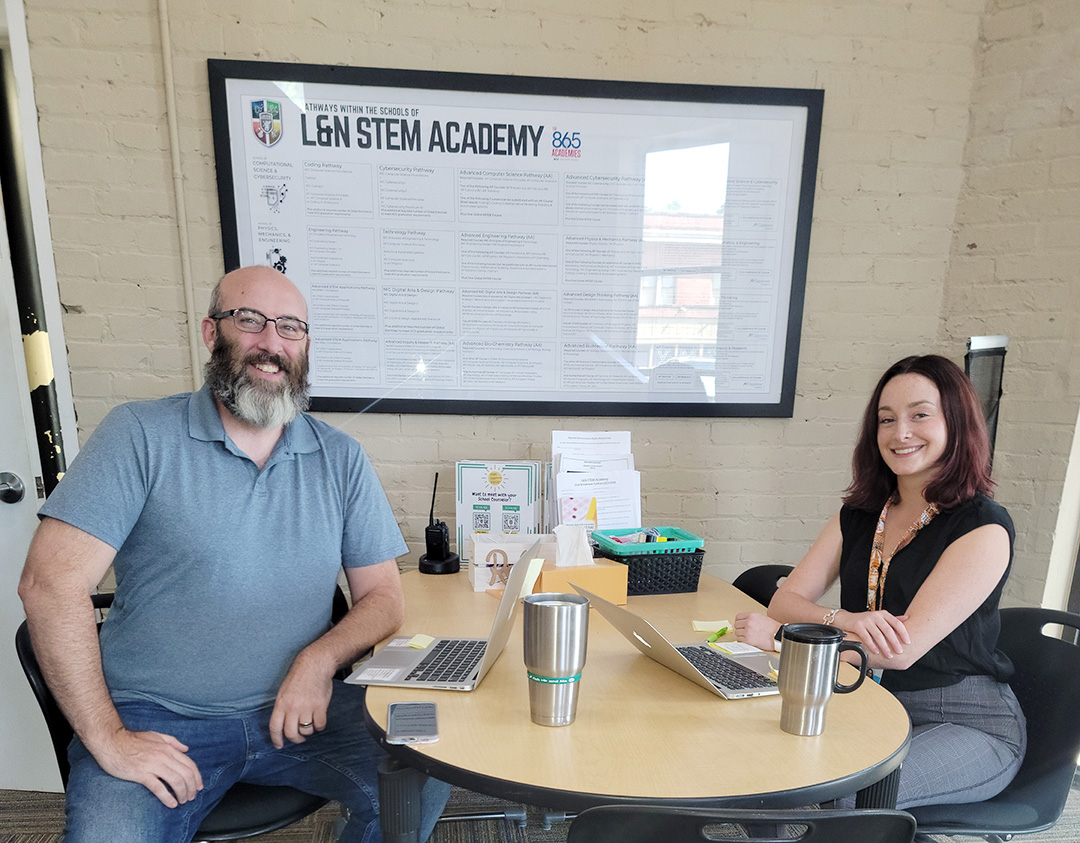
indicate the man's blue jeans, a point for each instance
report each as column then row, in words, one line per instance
column 339, row 763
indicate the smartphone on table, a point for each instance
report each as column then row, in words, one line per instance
column 411, row 722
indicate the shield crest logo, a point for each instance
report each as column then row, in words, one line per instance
column 266, row 121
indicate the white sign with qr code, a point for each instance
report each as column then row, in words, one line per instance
column 500, row 498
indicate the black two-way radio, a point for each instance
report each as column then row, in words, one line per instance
column 438, row 559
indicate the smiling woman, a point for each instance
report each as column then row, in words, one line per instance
column 911, row 427
column 922, row 554
column 962, row 469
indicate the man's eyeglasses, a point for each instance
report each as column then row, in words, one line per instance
column 253, row 322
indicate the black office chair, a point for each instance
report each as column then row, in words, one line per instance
column 1047, row 683
column 647, row 824
column 245, row 811
column 761, row 581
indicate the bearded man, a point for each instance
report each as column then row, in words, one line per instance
column 226, row 515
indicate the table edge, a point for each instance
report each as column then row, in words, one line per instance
column 572, row 800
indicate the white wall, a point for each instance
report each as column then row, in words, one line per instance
column 925, row 138
column 1014, row 268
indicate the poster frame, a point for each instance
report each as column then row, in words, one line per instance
column 221, row 71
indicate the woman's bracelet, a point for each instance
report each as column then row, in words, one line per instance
column 830, row 616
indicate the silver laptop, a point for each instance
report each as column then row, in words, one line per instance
column 729, row 676
column 452, row 664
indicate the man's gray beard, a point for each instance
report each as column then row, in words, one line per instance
column 251, row 403
column 263, row 409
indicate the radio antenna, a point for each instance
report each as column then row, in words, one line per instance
column 431, row 517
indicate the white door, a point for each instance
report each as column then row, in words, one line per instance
column 28, row 761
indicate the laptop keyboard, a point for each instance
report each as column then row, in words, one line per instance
column 452, row 660
column 723, row 672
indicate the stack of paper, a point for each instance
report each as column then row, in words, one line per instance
column 593, row 469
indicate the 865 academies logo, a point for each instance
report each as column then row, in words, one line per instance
column 266, row 121
column 565, row 144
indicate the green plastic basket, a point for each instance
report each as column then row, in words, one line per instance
column 668, row 567
column 678, row 541
column 660, row 573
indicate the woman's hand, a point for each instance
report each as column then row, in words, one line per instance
column 881, row 633
column 757, row 629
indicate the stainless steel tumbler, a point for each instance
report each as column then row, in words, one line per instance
column 809, row 661
column 556, row 632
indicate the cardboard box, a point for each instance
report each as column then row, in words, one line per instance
column 605, row 579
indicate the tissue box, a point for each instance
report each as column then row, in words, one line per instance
column 604, row 579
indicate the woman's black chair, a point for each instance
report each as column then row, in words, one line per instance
column 1047, row 683
column 761, row 581
column 647, row 824
column 246, row 810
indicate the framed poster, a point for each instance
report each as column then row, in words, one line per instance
column 475, row 244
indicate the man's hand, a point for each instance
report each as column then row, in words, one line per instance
column 300, row 709
column 62, row 567
column 378, row 605
column 155, row 760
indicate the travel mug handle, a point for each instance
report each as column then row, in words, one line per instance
column 854, row 646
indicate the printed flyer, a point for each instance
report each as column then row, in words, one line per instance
column 497, row 497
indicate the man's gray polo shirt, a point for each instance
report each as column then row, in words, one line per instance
column 223, row 572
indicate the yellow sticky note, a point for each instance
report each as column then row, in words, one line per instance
column 709, row 626
column 421, row 641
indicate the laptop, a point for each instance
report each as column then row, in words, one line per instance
column 452, row 664
column 732, row 677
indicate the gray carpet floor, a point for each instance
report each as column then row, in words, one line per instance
column 30, row 817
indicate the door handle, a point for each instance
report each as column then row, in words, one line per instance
column 11, row 488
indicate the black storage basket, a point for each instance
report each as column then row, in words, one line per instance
column 659, row 573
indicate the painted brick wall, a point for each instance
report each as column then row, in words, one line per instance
column 901, row 81
column 1014, row 266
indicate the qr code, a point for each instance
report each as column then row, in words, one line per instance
column 511, row 522
column 481, row 521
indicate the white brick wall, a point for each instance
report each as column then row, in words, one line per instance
column 903, row 188
column 1015, row 266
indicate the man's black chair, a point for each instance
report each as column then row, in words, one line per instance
column 1047, row 683
column 761, row 581
column 646, row 824
column 245, row 811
